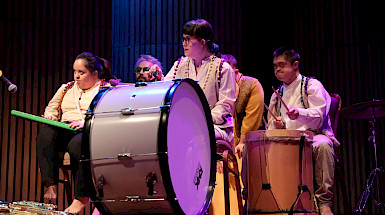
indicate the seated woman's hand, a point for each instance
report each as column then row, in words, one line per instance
column 76, row 124
column 49, row 117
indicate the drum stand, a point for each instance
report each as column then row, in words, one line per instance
column 301, row 187
column 360, row 207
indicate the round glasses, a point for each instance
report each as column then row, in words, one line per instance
column 188, row 39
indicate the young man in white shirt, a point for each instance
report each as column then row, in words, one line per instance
column 308, row 103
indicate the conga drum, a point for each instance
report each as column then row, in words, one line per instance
column 280, row 172
column 150, row 149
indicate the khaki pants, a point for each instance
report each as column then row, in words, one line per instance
column 323, row 155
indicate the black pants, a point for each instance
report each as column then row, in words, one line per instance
column 52, row 140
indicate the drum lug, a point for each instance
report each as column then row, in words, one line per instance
column 89, row 113
column 99, row 186
column 124, row 155
column 140, row 84
column 177, row 80
column 127, row 111
column 131, row 199
column 150, row 181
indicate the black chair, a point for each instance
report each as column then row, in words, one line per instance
column 334, row 112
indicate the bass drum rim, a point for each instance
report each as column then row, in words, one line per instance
column 162, row 138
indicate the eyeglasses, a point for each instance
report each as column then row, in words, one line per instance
column 139, row 69
column 187, row 39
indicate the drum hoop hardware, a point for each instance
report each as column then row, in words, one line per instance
column 278, row 138
column 124, row 156
column 132, row 199
column 278, row 212
column 131, row 111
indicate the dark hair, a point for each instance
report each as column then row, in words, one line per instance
column 200, row 28
column 94, row 63
column 289, row 53
column 230, row 59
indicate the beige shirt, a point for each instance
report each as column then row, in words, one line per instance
column 249, row 106
column 75, row 102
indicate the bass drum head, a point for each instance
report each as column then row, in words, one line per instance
column 191, row 148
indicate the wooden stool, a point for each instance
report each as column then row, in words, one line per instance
column 64, row 166
column 226, row 152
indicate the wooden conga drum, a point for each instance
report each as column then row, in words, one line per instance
column 280, row 172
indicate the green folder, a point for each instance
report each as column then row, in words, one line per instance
column 43, row 120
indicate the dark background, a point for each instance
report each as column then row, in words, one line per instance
column 342, row 44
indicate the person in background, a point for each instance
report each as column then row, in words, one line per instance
column 148, row 69
column 69, row 105
column 248, row 112
column 309, row 104
column 248, row 106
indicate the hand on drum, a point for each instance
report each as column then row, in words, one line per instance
column 278, row 123
column 292, row 113
column 74, row 124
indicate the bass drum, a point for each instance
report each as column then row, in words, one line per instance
column 150, row 149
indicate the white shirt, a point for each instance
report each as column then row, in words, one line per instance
column 315, row 117
column 221, row 100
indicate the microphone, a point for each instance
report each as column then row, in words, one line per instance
column 11, row 87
